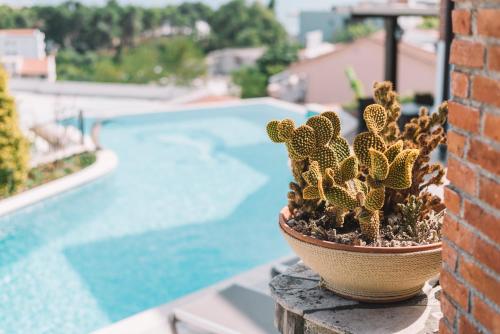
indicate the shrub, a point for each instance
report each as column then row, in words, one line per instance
column 14, row 149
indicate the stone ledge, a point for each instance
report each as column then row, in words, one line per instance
column 302, row 306
column 106, row 161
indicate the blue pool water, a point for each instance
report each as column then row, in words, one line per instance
column 193, row 201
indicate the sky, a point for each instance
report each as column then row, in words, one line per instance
column 286, row 10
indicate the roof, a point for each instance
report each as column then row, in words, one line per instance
column 18, row 32
column 378, row 39
column 34, row 67
column 394, row 10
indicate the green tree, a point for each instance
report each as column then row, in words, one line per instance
column 131, row 25
column 252, row 81
column 238, row 24
column 271, row 5
column 277, row 57
column 354, row 31
column 14, row 155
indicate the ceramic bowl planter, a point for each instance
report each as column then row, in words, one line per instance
column 368, row 274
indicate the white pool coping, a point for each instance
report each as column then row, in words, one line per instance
column 106, row 161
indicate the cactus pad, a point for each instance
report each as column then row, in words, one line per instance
column 325, row 157
column 375, row 199
column 340, row 197
column 400, row 170
column 272, row 131
column 393, row 150
column 362, row 144
column 323, row 129
column 379, row 165
column 375, row 117
column 348, row 169
column 369, row 221
column 291, row 153
column 303, row 140
column 311, row 192
column 341, row 148
column 335, row 120
column 285, row 129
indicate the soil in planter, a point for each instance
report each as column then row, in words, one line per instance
column 393, row 232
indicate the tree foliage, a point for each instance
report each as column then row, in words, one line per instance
column 176, row 59
column 237, row 24
column 14, row 155
column 253, row 80
column 83, row 28
column 354, row 31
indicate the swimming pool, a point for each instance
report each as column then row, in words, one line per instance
column 194, row 200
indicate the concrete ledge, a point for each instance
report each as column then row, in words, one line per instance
column 304, row 307
column 106, row 161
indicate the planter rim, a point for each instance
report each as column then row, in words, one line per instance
column 285, row 214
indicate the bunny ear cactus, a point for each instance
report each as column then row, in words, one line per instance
column 383, row 166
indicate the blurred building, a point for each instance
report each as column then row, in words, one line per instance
column 315, row 46
column 225, row 61
column 323, row 79
column 328, row 22
column 22, row 53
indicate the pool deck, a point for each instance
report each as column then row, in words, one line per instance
column 155, row 320
column 106, row 161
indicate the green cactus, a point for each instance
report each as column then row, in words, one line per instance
column 331, row 177
column 375, row 118
column 364, row 142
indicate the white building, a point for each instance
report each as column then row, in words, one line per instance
column 22, row 53
column 225, row 61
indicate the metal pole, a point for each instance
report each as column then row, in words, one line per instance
column 447, row 37
column 81, row 125
column 391, row 50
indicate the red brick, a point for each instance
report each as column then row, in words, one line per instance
column 459, row 84
column 486, row 90
column 455, row 290
column 466, row 53
column 452, row 201
column 443, row 327
column 482, row 220
column 484, row 155
column 468, row 241
column 488, row 317
column 494, row 58
column 488, row 23
column 482, row 281
column 461, row 176
column 459, row 234
column 486, row 253
column 456, row 143
column 463, row 117
column 461, row 21
column 449, row 255
column 489, row 192
column 465, row 327
column 492, row 126
column 448, row 309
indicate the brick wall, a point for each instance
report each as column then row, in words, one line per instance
column 471, row 244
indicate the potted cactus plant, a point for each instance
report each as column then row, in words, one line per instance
column 363, row 218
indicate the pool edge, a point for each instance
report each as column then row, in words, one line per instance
column 106, row 162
